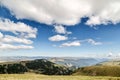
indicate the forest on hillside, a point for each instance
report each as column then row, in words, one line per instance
column 40, row 66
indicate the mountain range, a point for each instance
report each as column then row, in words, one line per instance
column 66, row 61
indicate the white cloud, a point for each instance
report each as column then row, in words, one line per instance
column 105, row 14
column 61, row 29
column 18, row 28
column 69, row 44
column 66, row 12
column 58, row 38
column 14, row 47
column 79, row 42
column 93, row 42
column 21, row 34
column 110, row 54
column 1, row 35
column 12, row 39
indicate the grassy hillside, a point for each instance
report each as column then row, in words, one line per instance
column 111, row 63
column 44, row 77
column 42, row 66
column 99, row 71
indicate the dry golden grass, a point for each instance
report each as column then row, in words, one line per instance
column 44, row 77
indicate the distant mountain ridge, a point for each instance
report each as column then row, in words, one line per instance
column 43, row 66
column 77, row 62
column 113, row 62
column 66, row 61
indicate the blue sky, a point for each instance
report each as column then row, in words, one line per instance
column 31, row 32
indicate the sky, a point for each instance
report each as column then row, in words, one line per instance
column 62, row 28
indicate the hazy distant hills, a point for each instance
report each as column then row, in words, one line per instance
column 113, row 62
column 77, row 62
column 110, row 67
column 43, row 66
column 60, row 66
column 18, row 58
column 67, row 61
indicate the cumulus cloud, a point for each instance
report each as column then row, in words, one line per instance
column 58, row 38
column 61, row 29
column 93, row 42
column 21, row 35
column 105, row 14
column 18, row 28
column 66, row 12
column 79, row 42
column 1, row 35
column 12, row 39
column 14, row 47
column 69, row 44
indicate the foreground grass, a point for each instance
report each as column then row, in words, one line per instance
column 44, row 77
